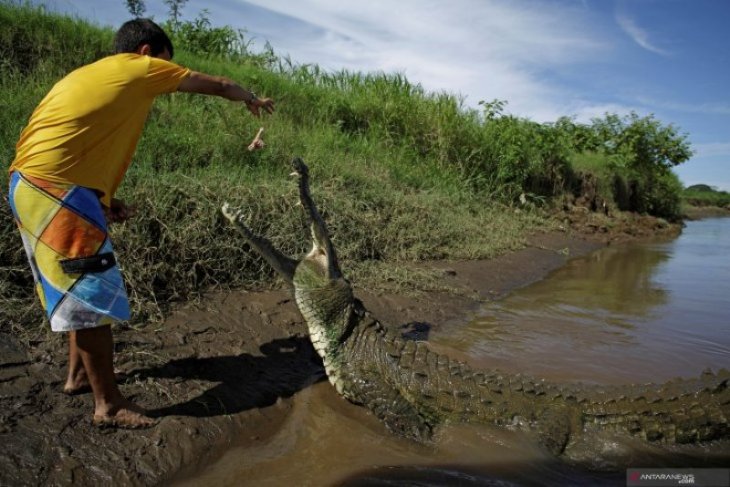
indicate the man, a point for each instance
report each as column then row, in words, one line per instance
column 70, row 159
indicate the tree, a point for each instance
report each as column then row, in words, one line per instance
column 136, row 7
column 646, row 150
column 643, row 142
column 702, row 188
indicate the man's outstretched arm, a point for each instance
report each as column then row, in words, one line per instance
column 220, row 86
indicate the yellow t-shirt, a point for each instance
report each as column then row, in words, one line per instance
column 86, row 129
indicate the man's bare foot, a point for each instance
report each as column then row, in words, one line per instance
column 127, row 415
column 79, row 383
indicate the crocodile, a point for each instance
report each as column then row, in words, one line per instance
column 413, row 389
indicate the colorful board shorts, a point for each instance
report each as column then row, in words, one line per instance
column 65, row 235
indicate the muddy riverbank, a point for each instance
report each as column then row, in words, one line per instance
column 222, row 373
column 700, row 212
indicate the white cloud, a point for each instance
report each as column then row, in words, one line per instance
column 470, row 30
column 639, row 35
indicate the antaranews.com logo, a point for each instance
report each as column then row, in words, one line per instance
column 662, row 477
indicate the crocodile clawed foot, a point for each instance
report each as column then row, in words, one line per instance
column 300, row 169
column 232, row 215
column 283, row 264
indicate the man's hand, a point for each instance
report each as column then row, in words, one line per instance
column 118, row 212
column 255, row 104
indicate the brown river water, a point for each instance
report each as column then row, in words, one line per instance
column 634, row 313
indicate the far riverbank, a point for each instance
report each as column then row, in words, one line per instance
column 700, row 212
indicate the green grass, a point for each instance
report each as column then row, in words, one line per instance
column 385, row 158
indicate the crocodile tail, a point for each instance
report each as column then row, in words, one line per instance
column 677, row 412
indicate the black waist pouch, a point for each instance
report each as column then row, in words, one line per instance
column 94, row 263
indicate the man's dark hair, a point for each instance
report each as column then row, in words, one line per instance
column 137, row 32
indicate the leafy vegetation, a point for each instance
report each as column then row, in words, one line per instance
column 401, row 174
column 704, row 195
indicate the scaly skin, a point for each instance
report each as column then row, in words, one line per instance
column 412, row 389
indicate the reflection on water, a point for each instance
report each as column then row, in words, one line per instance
column 638, row 313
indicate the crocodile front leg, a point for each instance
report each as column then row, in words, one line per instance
column 391, row 407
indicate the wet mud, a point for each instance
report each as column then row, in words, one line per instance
column 219, row 374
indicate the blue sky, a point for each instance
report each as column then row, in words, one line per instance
column 547, row 58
